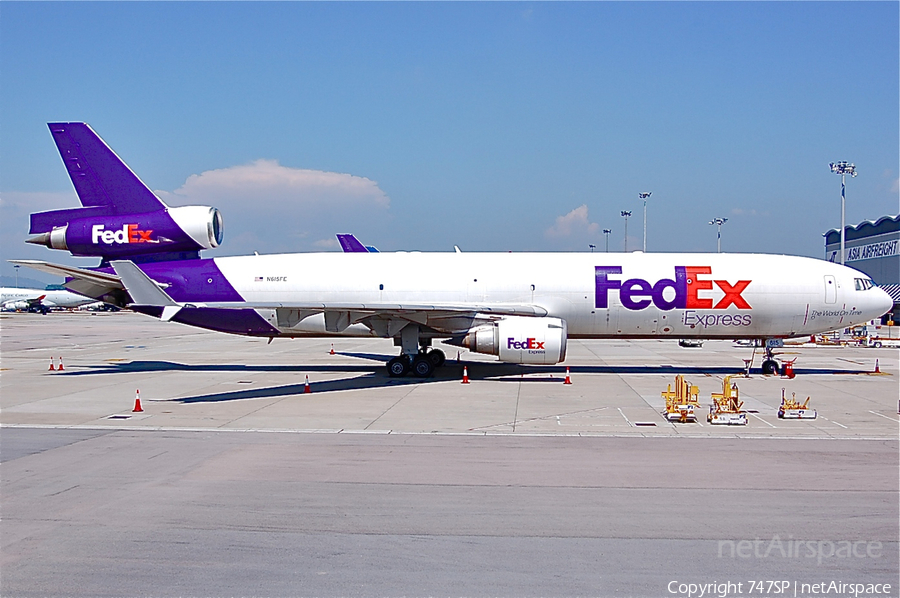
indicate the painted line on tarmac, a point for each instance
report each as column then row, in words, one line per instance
column 762, row 420
column 884, row 416
column 739, row 434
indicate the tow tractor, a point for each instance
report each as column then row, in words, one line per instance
column 726, row 406
column 793, row 409
column 681, row 402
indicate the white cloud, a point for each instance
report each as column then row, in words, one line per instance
column 327, row 243
column 575, row 223
column 267, row 184
column 268, row 207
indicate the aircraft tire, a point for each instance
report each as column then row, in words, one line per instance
column 422, row 366
column 398, row 366
column 770, row 366
column 437, row 357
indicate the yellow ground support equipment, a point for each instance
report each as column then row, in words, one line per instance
column 726, row 406
column 681, row 402
column 792, row 409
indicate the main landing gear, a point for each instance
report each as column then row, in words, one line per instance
column 421, row 365
column 415, row 356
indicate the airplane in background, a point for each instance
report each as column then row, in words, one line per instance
column 39, row 300
column 521, row 307
column 350, row 244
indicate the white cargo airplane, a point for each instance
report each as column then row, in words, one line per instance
column 16, row 299
column 522, row 307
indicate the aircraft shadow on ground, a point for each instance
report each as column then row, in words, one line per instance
column 371, row 376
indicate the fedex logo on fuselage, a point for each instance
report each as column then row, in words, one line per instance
column 129, row 233
column 528, row 343
column 637, row 293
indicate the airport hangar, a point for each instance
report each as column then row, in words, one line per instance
column 873, row 248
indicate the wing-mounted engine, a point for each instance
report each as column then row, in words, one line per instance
column 519, row 339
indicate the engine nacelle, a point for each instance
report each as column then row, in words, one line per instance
column 520, row 339
column 181, row 229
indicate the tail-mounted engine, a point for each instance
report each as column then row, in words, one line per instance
column 518, row 339
column 188, row 228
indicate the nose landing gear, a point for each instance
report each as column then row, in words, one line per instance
column 769, row 365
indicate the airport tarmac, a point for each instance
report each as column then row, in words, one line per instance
column 232, row 481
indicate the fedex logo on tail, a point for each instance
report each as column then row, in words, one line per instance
column 689, row 281
column 129, row 233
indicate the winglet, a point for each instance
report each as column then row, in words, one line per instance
column 141, row 287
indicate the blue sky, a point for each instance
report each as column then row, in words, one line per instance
column 493, row 126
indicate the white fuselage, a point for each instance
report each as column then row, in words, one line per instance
column 652, row 295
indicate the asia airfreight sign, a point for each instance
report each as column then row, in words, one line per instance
column 637, row 293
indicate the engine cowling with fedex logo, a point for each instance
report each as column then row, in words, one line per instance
column 180, row 229
column 518, row 339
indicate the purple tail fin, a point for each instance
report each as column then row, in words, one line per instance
column 99, row 175
column 351, row 244
column 121, row 217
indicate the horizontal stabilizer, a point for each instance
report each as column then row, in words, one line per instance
column 99, row 278
column 141, row 287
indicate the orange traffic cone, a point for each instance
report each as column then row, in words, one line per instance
column 465, row 379
column 61, row 368
column 568, row 379
column 52, row 367
column 877, row 369
column 137, row 402
column 306, row 389
column 332, row 349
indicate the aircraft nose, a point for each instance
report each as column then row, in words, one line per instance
column 882, row 302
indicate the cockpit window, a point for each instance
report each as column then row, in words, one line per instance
column 863, row 284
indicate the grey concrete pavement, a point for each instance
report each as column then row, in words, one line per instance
column 232, row 482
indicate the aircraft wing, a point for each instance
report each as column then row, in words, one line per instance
column 499, row 309
column 36, row 301
column 99, row 278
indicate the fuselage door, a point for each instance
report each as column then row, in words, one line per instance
column 830, row 289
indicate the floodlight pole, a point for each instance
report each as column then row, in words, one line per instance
column 625, row 215
column 644, row 196
column 606, row 232
column 718, row 222
column 592, row 247
column 843, row 169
